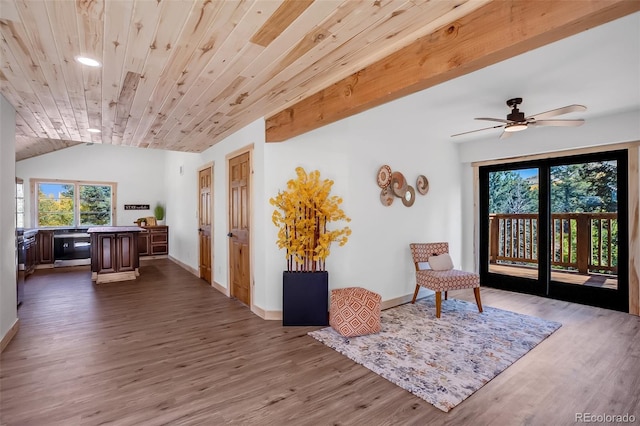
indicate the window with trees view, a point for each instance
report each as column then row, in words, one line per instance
column 74, row 203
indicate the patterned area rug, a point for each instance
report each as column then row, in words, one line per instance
column 442, row 361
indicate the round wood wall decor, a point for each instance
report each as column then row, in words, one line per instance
column 398, row 184
column 384, row 176
column 422, row 184
column 409, row 196
column 386, row 196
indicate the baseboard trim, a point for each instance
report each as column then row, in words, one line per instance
column 45, row 266
column 385, row 304
column 392, row 303
column 277, row 315
column 7, row 337
column 155, row 256
column 222, row 289
column 180, row 264
column 267, row 315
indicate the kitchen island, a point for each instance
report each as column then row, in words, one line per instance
column 114, row 253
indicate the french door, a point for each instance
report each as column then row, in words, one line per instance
column 557, row 228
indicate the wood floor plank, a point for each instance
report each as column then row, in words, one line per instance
column 169, row 349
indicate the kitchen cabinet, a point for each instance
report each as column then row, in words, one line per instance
column 45, row 247
column 153, row 241
column 143, row 243
column 114, row 253
column 31, row 253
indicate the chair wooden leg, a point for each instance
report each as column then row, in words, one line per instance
column 415, row 293
column 476, row 292
column 446, row 295
column 438, row 303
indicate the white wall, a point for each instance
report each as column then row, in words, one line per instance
column 139, row 173
column 181, row 192
column 349, row 152
column 8, row 311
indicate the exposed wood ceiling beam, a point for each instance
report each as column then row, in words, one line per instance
column 490, row 34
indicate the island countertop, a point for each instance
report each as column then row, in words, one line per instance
column 114, row 229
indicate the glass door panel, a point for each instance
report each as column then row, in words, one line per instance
column 558, row 228
column 513, row 222
column 584, row 224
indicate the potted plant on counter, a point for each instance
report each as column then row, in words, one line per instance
column 158, row 212
column 303, row 213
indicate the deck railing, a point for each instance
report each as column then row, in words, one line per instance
column 585, row 242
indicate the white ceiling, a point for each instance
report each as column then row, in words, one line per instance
column 598, row 68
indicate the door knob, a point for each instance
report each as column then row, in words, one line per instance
column 230, row 234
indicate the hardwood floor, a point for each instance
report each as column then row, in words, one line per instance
column 169, row 349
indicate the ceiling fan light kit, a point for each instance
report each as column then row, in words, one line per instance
column 515, row 127
column 516, row 120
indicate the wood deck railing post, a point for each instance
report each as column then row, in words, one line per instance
column 494, row 235
column 583, row 242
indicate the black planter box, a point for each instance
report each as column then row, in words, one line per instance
column 305, row 298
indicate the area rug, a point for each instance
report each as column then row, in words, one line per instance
column 442, row 360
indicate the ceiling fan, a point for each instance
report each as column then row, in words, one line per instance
column 516, row 120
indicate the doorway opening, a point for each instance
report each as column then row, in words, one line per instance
column 558, row 228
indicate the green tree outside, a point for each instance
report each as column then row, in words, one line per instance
column 575, row 188
column 60, row 209
column 56, row 211
column 95, row 205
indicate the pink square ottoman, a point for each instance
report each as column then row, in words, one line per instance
column 354, row 311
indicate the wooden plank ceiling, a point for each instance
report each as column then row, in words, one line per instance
column 184, row 74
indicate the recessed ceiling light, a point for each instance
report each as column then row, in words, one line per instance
column 93, row 130
column 88, row 61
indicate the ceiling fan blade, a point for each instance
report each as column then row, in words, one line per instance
column 564, row 123
column 478, row 130
column 558, row 111
column 499, row 120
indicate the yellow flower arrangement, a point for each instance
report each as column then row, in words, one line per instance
column 302, row 213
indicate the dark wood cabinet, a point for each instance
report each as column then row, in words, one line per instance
column 143, row 243
column 153, row 241
column 114, row 255
column 45, row 247
column 31, row 255
column 159, row 240
column 104, row 256
column 126, row 252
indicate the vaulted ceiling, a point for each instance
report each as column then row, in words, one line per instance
column 184, row 74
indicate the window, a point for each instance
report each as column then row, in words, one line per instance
column 74, row 203
column 19, row 203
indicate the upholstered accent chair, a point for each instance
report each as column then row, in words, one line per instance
column 443, row 277
column 354, row 311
